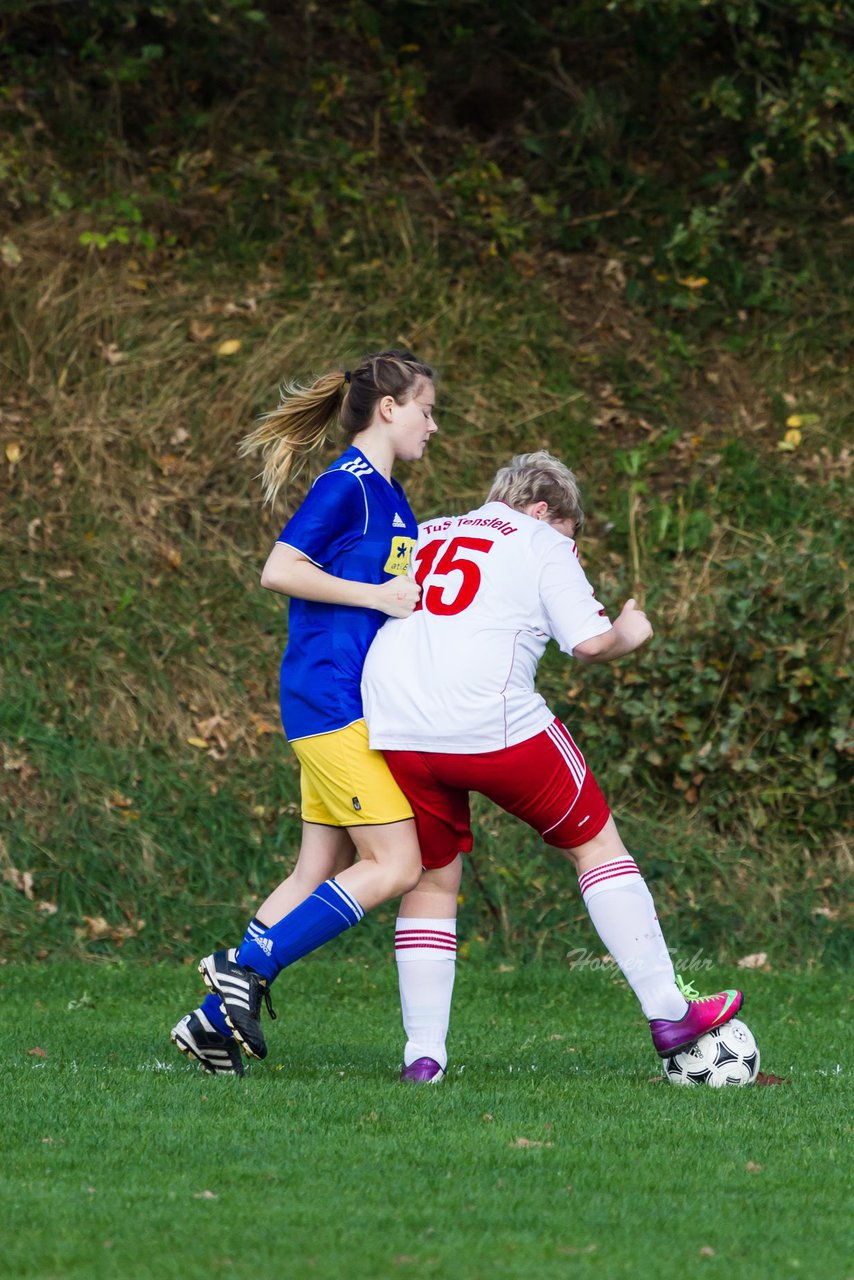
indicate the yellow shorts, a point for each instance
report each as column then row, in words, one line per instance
column 343, row 783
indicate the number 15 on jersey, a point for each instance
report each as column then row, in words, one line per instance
column 458, row 556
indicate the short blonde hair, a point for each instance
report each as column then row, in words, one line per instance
column 539, row 477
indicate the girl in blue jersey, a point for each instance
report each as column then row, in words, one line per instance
column 344, row 560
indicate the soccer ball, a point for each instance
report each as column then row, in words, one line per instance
column 727, row 1055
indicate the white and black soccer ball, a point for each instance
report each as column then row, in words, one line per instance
column 727, row 1055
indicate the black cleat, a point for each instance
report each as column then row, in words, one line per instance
column 240, row 991
column 215, row 1053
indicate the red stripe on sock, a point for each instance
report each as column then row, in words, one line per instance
column 434, row 933
column 427, row 938
column 430, row 935
column 608, row 871
column 425, row 946
column 602, row 873
column 615, row 862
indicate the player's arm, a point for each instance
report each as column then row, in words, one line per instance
column 576, row 619
column 631, row 629
column 291, row 573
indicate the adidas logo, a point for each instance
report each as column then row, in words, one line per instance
column 397, row 523
column 266, row 945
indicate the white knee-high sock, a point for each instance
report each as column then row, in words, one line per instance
column 623, row 914
column 426, row 955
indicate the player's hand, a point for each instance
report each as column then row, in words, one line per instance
column 398, row 597
column 633, row 625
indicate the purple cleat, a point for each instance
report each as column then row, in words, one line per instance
column 423, row 1071
column 704, row 1014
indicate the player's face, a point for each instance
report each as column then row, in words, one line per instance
column 412, row 423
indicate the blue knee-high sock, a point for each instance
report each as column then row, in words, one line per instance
column 211, row 1006
column 326, row 913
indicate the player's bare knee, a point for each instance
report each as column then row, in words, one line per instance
column 406, row 879
column 403, row 875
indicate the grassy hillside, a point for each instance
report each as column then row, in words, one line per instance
column 160, row 282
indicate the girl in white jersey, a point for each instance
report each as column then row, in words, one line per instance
column 449, row 698
column 344, row 559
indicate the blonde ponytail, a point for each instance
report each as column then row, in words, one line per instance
column 289, row 435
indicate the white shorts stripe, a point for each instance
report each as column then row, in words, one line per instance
column 562, row 818
column 569, row 751
column 575, row 762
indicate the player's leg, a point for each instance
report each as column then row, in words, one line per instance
column 623, row 914
column 204, row 1033
column 622, row 911
column 237, row 978
column 324, row 852
column 379, row 823
column 389, row 864
column 426, row 929
column 242, row 979
column 425, row 949
column 545, row 781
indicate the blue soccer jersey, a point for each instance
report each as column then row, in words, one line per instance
column 353, row 524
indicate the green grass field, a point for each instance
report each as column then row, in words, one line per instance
column 551, row 1149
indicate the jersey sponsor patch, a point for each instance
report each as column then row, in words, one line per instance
column 400, row 556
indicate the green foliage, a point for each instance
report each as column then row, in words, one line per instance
column 539, row 143
column 485, row 201
column 119, row 221
column 759, row 665
column 791, row 85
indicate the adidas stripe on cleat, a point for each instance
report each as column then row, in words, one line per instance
column 215, row 1053
column 241, row 991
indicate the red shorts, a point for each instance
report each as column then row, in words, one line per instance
column 544, row 781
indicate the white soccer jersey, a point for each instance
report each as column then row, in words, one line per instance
column 458, row 674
